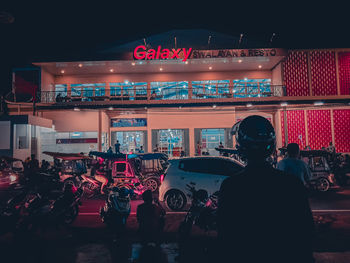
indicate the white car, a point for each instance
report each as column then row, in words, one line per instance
column 205, row 172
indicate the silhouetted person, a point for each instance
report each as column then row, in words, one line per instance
column 150, row 217
column 293, row 165
column 117, row 147
column 110, row 150
column 263, row 214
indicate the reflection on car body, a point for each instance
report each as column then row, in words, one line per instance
column 206, row 172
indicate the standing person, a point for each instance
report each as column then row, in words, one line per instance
column 293, row 165
column 150, row 217
column 272, row 221
column 221, row 147
column 110, row 150
column 141, row 149
column 117, row 147
column 198, row 149
column 156, row 149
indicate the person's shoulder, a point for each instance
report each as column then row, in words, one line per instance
column 286, row 179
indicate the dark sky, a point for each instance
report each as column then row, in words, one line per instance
column 62, row 28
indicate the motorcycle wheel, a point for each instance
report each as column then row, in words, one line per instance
column 70, row 215
column 322, row 185
column 88, row 190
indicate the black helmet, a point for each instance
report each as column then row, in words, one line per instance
column 255, row 137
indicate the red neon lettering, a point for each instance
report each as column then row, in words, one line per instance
column 142, row 53
column 160, row 53
column 176, row 53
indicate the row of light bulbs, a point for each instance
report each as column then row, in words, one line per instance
column 160, row 69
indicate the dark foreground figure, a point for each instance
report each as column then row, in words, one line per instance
column 264, row 214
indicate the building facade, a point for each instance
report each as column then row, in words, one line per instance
column 182, row 101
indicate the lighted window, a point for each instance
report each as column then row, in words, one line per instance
column 21, row 136
column 243, row 88
column 61, row 89
column 87, row 90
column 175, row 90
column 129, row 90
column 205, row 89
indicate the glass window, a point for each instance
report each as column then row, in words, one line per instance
column 243, row 88
column 211, row 139
column 88, row 89
column 61, row 89
column 175, row 90
column 141, row 89
column 22, row 137
column 210, row 89
column 125, row 89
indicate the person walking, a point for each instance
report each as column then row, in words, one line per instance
column 263, row 213
column 293, row 165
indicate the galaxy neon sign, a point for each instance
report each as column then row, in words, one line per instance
column 141, row 52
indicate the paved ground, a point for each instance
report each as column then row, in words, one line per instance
column 88, row 240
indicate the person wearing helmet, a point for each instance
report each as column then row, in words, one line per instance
column 263, row 213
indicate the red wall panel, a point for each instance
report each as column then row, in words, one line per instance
column 344, row 72
column 319, row 128
column 323, row 73
column 295, row 127
column 295, row 74
column 341, row 120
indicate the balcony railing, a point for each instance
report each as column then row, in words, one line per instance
column 166, row 94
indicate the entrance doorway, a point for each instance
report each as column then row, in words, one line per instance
column 171, row 142
column 130, row 141
column 211, row 139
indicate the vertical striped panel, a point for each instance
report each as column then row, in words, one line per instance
column 319, row 128
column 341, row 120
column 323, row 73
column 296, row 127
column 295, row 71
column 344, row 72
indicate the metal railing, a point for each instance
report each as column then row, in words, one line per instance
column 167, row 94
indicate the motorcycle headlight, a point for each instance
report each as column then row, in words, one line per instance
column 13, row 178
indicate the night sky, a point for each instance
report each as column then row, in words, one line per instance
column 41, row 30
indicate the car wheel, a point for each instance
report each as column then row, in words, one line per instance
column 151, row 184
column 175, row 200
column 322, row 185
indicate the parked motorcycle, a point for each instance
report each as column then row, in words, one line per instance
column 39, row 210
column 117, row 208
column 202, row 213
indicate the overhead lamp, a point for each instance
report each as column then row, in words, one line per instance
column 210, row 68
column 249, row 105
column 80, row 65
column 126, row 82
column 245, row 79
column 318, row 103
column 214, row 106
column 62, row 71
column 111, row 70
column 284, row 104
column 76, row 109
column 110, row 108
column 161, row 69
column 133, row 63
column 260, row 66
column 186, row 62
column 145, row 108
column 240, row 61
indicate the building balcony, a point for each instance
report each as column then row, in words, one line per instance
column 159, row 95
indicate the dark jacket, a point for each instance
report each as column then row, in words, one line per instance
column 264, row 216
